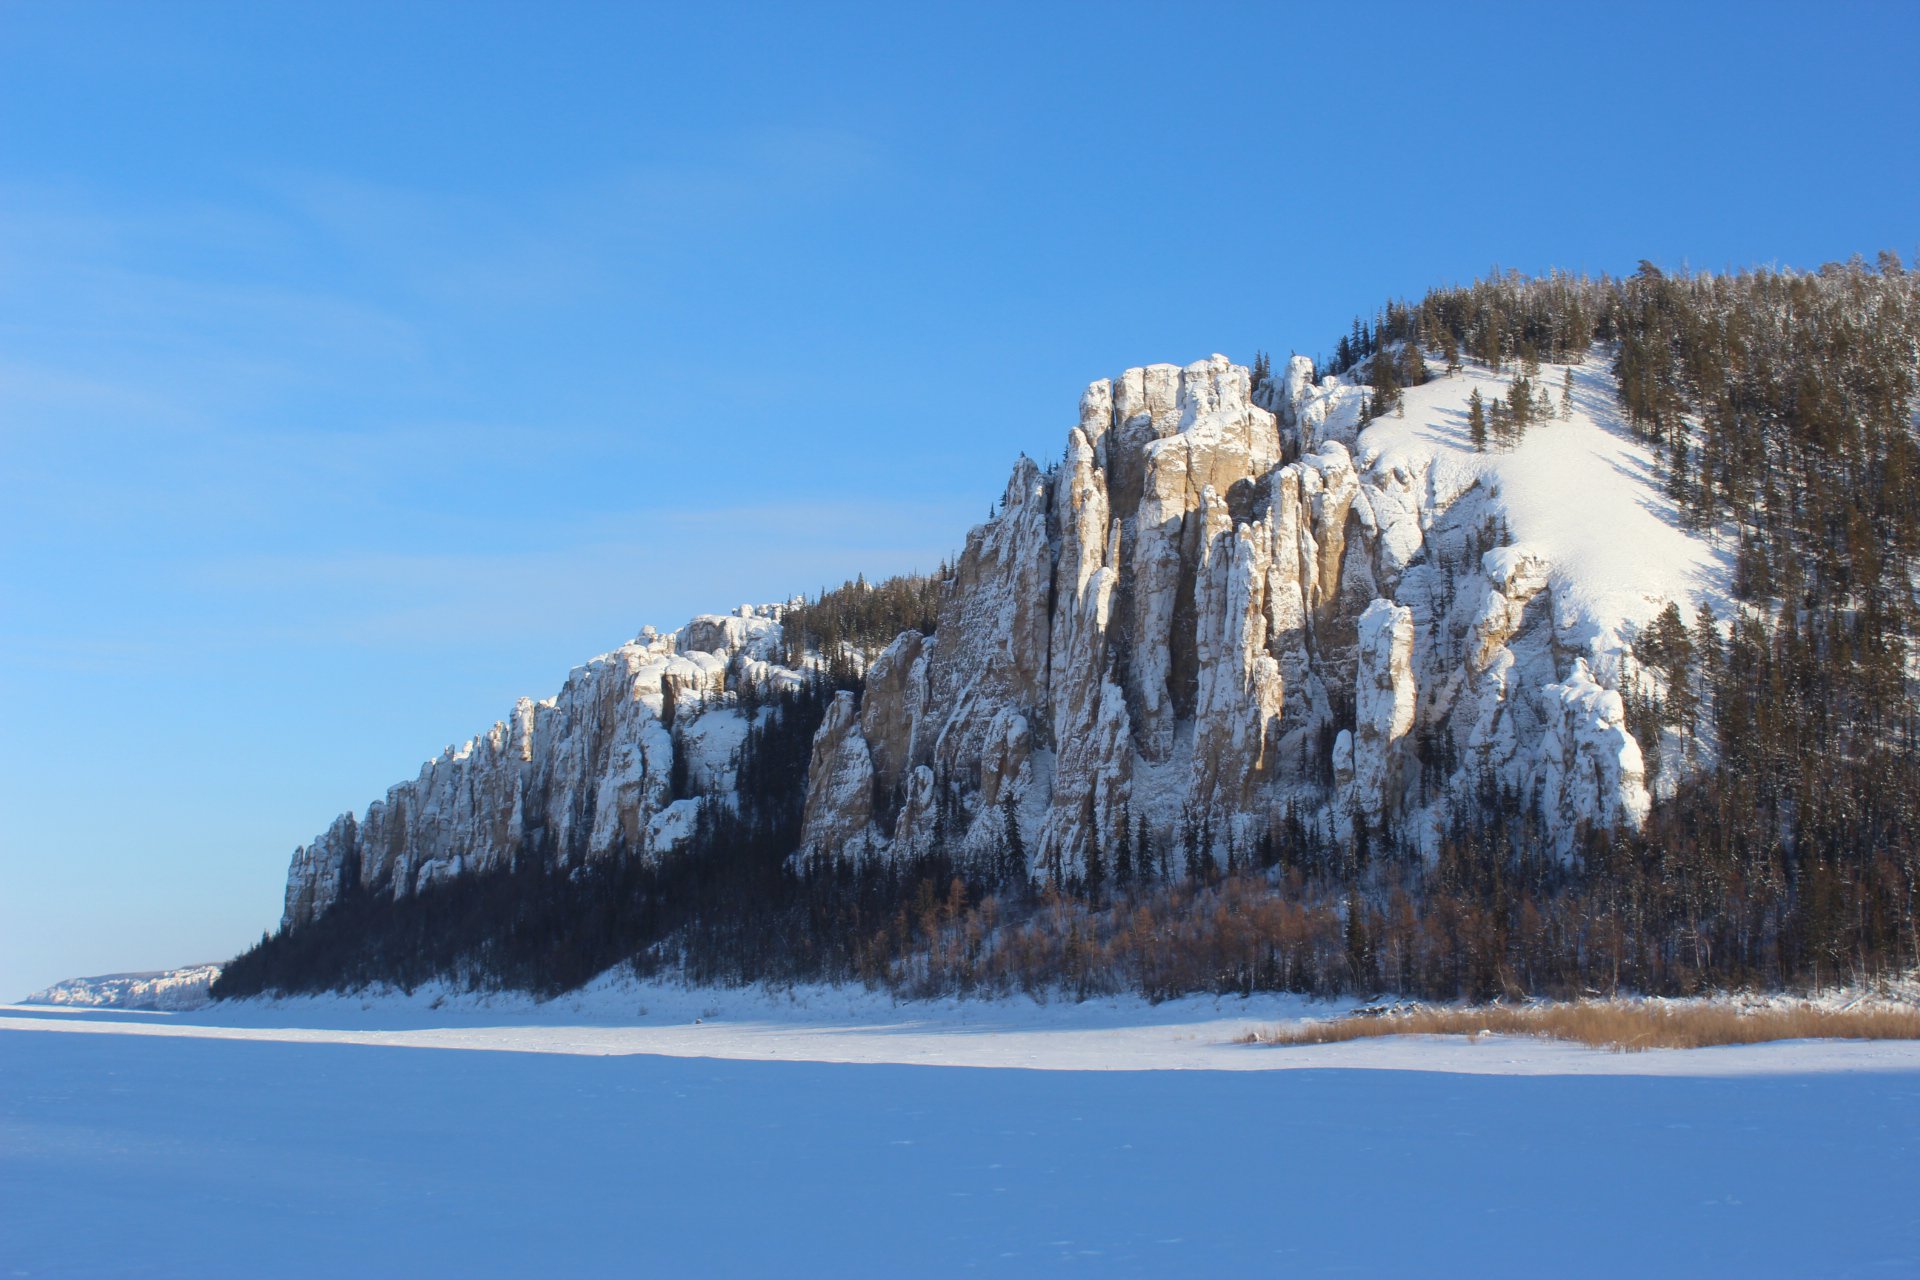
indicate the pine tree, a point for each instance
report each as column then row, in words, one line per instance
column 1386, row 384
column 1566, row 395
column 1477, row 421
column 1013, row 844
column 1359, row 944
column 1190, row 843
column 1520, row 405
column 1143, row 846
column 1123, row 856
column 1266, row 853
column 1665, row 644
column 1706, row 660
column 1096, row 879
column 1676, row 486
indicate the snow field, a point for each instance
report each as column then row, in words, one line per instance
column 387, row 1137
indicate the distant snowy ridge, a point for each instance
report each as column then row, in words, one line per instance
column 173, row 990
column 1227, row 608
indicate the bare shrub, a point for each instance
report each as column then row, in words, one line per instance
column 1618, row 1025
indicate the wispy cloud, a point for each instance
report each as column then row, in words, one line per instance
column 602, row 231
column 232, row 421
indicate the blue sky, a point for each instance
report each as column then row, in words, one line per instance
column 364, row 367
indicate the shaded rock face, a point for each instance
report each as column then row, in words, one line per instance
column 1210, row 611
column 586, row 774
column 839, row 810
column 898, row 682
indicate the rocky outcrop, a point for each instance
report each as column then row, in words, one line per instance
column 1384, row 704
column 1090, row 722
column 1591, row 766
column 839, row 814
column 897, row 681
column 168, row 990
column 1209, row 612
column 1225, row 605
column 588, row 773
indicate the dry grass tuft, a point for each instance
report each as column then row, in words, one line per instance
column 1619, row 1025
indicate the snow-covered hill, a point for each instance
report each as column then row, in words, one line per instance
column 166, row 989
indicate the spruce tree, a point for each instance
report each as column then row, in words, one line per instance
column 1676, row 486
column 1013, row 844
column 1520, row 405
column 1477, row 421
column 1386, row 384
column 1706, row 659
column 1143, row 850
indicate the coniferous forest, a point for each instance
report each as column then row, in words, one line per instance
column 1783, row 848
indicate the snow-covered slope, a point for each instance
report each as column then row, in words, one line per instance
column 168, row 989
column 1222, row 609
column 1583, row 493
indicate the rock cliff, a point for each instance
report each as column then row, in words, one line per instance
column 1224, row 605
column 167, row 990
column 588, row 773
column 1211, row 611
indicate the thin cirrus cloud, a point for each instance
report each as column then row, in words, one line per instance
column 268, row 346
column 579, row 238
column 297, row 271
column 165, row 307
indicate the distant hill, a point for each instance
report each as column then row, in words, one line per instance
column 162, row 989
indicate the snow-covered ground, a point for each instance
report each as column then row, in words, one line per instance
column 616, row 1015
column 821, row 1132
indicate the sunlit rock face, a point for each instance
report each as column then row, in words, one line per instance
column 586, row 774
column 1212, row 610
column 1224, row 605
